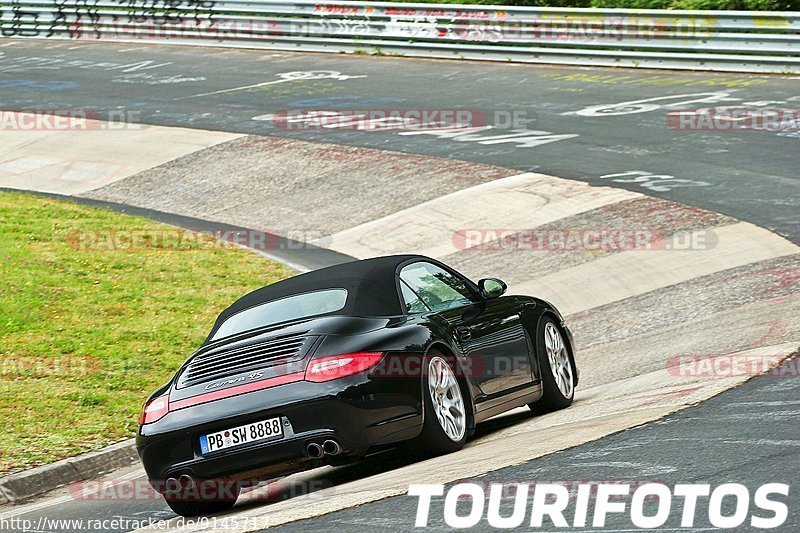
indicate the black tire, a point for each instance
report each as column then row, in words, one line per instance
column 433, row 440
column 192, row 504
column 552, row 397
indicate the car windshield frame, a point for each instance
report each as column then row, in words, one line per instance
column 471, row 299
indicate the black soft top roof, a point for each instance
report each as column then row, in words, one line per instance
column 370, row 284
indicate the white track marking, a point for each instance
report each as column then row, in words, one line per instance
column 284, row 77
column 625, row 274
column 235, row 89
column 516, row 202
column 74, row 161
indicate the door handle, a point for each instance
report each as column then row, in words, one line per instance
column 463, row 333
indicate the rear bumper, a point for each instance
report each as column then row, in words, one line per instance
column 357, row 411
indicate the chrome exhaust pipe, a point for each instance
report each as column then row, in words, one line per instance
column 186, row 481
column 172, row 485
column 331, row 447
column 314, row 450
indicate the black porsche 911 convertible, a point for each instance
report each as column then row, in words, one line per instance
column 325, row 366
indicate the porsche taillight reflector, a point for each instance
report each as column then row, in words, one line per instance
column 155, row 409
column 339, row 366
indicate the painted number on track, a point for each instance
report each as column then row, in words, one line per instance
column 653, row 182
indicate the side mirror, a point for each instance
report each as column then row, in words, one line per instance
column 492, row 288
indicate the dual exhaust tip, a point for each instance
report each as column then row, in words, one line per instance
column 328, row 447
column 180, row 484
column 185, row 482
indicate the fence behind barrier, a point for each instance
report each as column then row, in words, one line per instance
column 706, row 40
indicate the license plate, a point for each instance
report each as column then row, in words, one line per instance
column 257, row 431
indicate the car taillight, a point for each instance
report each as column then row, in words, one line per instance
column 339, row 366
column 155, row 409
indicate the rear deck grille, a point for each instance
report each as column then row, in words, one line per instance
column 221, row 362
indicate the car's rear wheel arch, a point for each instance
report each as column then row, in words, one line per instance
column 551, row 315
column 443, row 349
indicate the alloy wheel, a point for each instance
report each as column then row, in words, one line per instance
column 558, row 356
column 448, row 403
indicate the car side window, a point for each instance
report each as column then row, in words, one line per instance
column 411, row 301
column 438, row 289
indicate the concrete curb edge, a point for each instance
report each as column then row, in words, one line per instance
column 22, row 486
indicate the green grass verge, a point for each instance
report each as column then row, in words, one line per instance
column 86, row 332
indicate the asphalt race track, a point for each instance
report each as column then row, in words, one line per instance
column 721, row 440
column 750, row 175
column 605, row 127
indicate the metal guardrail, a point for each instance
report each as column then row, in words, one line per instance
column 706, row 40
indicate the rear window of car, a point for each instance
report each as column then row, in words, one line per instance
column 290, row 308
